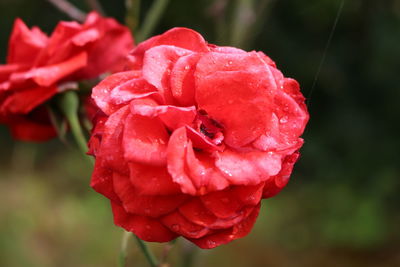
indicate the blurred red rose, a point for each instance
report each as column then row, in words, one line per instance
column 193, row 137
column 38, row 67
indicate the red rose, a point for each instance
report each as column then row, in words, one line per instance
column 193, row 137
column 38, row 67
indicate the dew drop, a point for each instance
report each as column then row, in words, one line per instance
column 175, row 227
column 187, row 67
column 210, row 243
column 283, row 119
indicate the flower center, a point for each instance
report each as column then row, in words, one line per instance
column 209, row 127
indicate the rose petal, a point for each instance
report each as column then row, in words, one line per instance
column 24, row 101
column 48, row 75
column 222, row 237
column 111, row 144
column 135, row 202
column 202, row 171
column 274, row 185
column 144, row 227
column 152, row 180
column 101, row 92
column 195, row 212
column 229, row 203
column 145, row 140
column 248, row 168
column 236, row 90
column 102, row 180
column 178, row 224
column 172, row 116
column 176, row 154
column 182, row 79
column 157, row 65
column 25, row 44
column 25, row 129
column 178, row 37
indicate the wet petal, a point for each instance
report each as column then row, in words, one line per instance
column 157, row 65
column 172, row 116
column 274, row 185
column 111, row 144
column 180, row 225
column 102, row 180
column 222, row 237
column 230, row 202
column 136, row 202
column 144, row 227
column 182, row 79
column 152, row 180
column 236, row 91
column 145, row 140
column 176, row 154
column 248, row 168
column 101, row 93
column 178, row 37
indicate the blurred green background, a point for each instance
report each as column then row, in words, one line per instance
column 341, row 207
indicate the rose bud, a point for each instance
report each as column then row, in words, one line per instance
column 38, row 67
column 192, row 137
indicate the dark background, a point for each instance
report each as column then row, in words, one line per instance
column 341, row 207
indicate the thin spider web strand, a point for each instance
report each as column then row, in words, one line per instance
column 339, row 13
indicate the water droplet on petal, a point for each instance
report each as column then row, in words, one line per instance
column 187, row 67
column 283, row 119
column 210, row 243
column 175, row 227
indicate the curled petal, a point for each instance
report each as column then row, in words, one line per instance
column 101, row 92
column 49, row 75
column 145, row 140
column 222, row 237
column 196, row 212
column 176, row 155
column 144, row 227
column 172, row 116
column 102, row 180
column 178, row 37
column 279, row 181
column 180, row 225
column 24, row 101
column 248, row 168
column 236, row 91
column 152, row 181
column 135, row 202
column 157, row 65
column 111, row 149
column 182, row 79
column 25, row 44
column 228, row 203
column 196, row 174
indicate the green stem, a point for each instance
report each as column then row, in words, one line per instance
column 189, row 254
column 150, row 22
column 132, row 15
column 69, row 104
column 147, row 253
column 124, row 247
